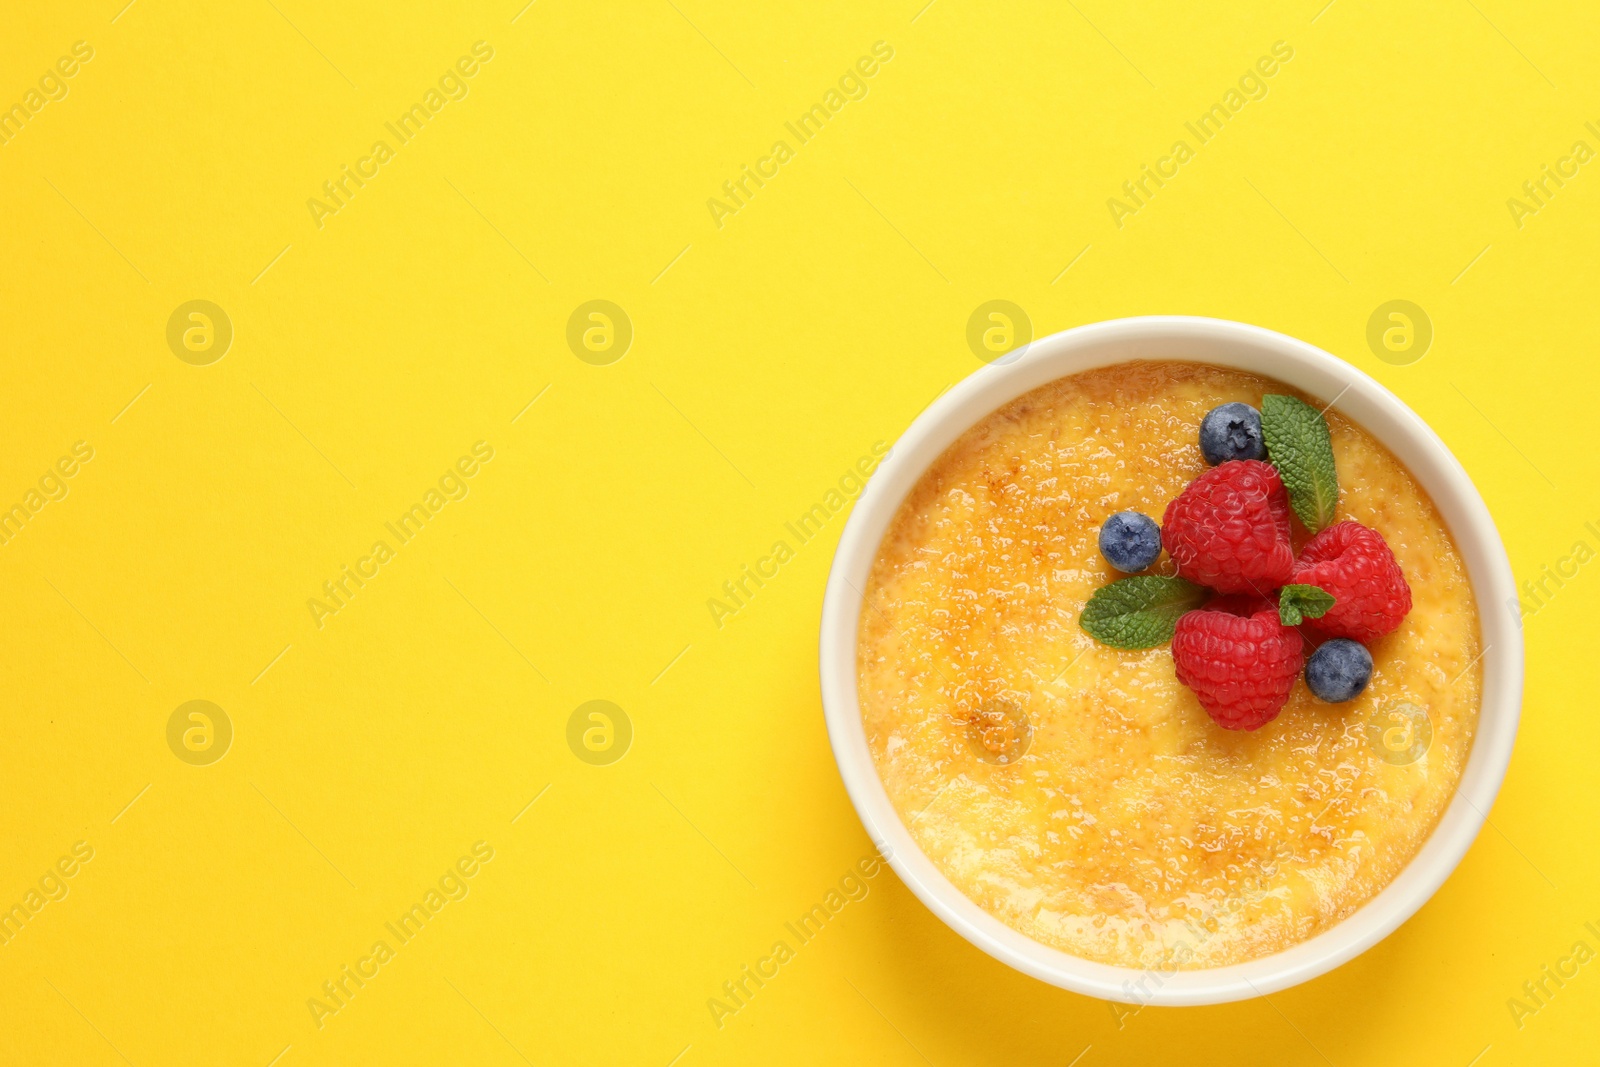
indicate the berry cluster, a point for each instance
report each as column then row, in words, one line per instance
column 1234, row 610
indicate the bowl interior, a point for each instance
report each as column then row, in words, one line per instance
column 1320, row 376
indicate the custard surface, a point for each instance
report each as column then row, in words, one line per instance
column 1132, row 830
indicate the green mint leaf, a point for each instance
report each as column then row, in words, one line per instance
column 1139, row 612
column 1299, row 446
column 1297, row 603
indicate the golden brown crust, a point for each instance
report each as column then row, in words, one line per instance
column 1134, row 825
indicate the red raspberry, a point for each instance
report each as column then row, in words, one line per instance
column 1244, row 604
column 1230, row 529
column 1354, row 563
column 1241, row 666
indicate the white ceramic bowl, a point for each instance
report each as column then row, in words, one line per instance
column 1318, row 374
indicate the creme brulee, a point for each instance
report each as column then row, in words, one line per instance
column 1079, row 793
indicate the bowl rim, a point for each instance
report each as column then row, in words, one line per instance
column 1316, row 373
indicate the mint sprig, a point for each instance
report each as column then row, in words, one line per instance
column 1297, row 603
column 1298, row 444
column 1139, row 612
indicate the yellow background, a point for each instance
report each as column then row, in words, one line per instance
column 769, row 355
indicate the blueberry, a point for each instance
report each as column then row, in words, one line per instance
column 1232, row 431
column 1130, row 541
column 1339, row 670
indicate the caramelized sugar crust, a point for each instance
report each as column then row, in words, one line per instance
column 1130, row 829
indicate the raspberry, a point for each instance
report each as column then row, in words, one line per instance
column 1354, row 563
column 1241, row 666
column 1230, row 529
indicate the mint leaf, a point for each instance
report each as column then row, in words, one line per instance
column 1299, row 446
column 1297, row 603
column 1139, row 612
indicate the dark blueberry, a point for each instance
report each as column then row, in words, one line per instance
column 1130, row 541
column 1232, row 431
column 1339, row 670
